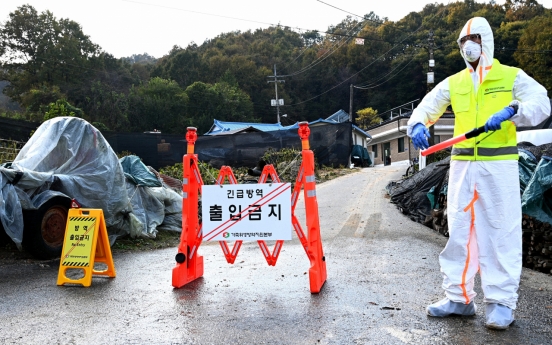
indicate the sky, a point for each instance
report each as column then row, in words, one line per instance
column 126, row 27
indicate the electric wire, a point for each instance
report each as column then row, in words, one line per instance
column 374, row 86
column 355, row 74
column 323, row 57
column 368, row 85
column 362, row 69
column 356, row 15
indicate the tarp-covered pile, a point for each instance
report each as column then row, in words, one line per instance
column 67, row 155
column 417, row 196
column 535, row 177
column 410, row 194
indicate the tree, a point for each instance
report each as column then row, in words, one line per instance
column 522, row 9
column 506, row 41
column 367, row 117
column 62, row 108
column 533, row 46
column 220, row 101
column 159, row 104
column 104, row 104
column 41, row 51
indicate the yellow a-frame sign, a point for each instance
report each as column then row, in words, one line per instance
column 85, row 244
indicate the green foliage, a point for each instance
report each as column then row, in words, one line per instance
column 62, row 108
column 159, row 104
column 41, row 51
column 208, row 173
column 221, row 101
column 537, row 36
column 45, row 59
column 104, row 103
column 174, row 171
column 100, row 126
column 367, row 117
column 522, row 9
column 286, row 162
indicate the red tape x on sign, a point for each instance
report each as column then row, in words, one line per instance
column 246, row 212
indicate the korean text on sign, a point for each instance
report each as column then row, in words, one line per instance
column 246, row 212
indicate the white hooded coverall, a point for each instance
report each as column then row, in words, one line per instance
column 483, row 201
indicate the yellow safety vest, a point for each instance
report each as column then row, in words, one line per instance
column 471, row 110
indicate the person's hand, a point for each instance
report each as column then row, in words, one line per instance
column 493, row 123
column 419, row 136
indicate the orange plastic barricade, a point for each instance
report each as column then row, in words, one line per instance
column 189, row 265
column 85, row 244
column 313, row 242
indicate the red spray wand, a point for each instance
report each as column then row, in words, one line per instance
column 447, row 143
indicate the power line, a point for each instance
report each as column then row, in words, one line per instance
column 322, row 57
column 227, row 17
column 529, row 51
column 374, row 61
column 356, row 15
column 196, row 12
column 355, row 74
column 369, row 84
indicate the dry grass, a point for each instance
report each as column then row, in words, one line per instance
column 9, row 150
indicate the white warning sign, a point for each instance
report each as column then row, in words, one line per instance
column 246, row 212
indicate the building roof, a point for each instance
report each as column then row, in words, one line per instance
column 247, row 129
column 339, row 116
column 225, row 127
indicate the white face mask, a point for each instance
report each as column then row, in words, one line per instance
column 471, row 50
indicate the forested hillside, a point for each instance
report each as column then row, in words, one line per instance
column 54, row 69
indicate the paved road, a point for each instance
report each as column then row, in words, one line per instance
column 382, row 272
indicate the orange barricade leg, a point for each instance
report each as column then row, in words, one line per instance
column 189, row 265
column 226, row 171
column 317, row 271
column 271, row 258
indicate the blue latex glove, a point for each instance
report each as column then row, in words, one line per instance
column 493, row 123
column 419, row 134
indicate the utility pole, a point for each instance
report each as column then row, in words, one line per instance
column 351, row 104
column 276, row 102
column 430, row 73
column 430, row 83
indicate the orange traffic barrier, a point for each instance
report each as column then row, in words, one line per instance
column 313, row 243
column 189, row 264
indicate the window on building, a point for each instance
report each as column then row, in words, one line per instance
column 436, row 139
column 401, row 144
column 375, row 150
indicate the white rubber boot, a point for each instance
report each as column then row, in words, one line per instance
column 498, row 316
column 446, row 307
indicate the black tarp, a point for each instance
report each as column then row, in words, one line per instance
column 410, row 194
column 331, row 143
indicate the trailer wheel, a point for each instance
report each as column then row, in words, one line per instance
column 44, row 229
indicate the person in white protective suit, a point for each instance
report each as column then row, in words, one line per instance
column 483, row 202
